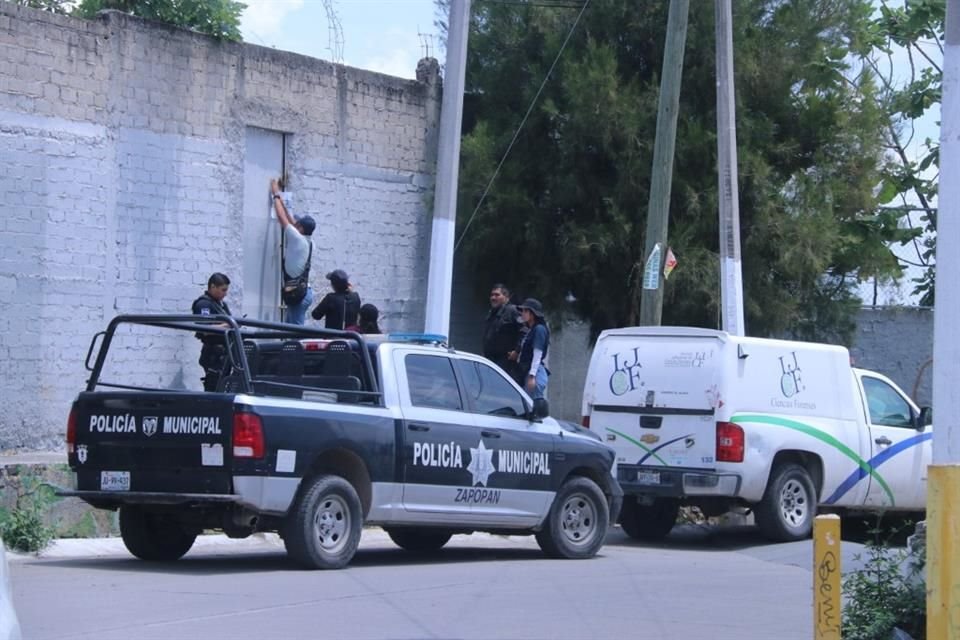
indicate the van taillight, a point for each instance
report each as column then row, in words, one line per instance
column 585, row 422
column 71, row 430
column 730, row 442
column 247, row 436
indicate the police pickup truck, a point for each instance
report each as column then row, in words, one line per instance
column 316, row 433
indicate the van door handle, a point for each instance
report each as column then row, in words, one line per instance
column 490, row 434
column 416, row 426
column 883, row 440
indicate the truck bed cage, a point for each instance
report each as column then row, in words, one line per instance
column 250, row 346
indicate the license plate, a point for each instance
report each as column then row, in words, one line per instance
column 115, row 480
column 648, row 477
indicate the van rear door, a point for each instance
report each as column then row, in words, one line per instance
column 652, row 397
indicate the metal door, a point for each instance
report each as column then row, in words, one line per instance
column 261, row 233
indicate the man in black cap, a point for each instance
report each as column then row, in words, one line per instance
column 297, row 294
column 501, row 334
column 342, row 306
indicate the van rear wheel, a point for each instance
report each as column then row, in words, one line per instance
column 649, row 522
column 788, row 506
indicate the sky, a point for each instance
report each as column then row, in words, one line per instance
column 378, row 35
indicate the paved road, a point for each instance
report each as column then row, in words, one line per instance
column 718, row 583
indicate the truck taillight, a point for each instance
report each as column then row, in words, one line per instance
column 730, row 442
column 585, row 422
column 71, row 430
column 247, row 436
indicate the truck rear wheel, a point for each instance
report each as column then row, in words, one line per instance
column 577, row 523
column 649, row 522
column 788, row 506
column 157, row 537
column 323, row 529
column 419, row 540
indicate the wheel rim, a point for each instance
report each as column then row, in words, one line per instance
column 794, row 504
column 331, row 523
column 578, row 519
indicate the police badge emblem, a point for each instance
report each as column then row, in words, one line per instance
column 149, row 426
column 82, row 453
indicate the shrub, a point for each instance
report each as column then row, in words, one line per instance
column 888, row 593
column 23, row 528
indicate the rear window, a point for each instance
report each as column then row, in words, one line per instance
column 432, row 382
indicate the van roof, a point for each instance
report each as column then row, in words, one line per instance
column 723, row 336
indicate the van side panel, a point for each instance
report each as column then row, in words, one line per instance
column 794, row 397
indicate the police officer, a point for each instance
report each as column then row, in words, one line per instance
column 212, row 303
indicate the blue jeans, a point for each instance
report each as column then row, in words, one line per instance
column 297, row 313
column 540, row 391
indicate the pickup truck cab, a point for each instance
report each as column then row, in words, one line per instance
column 718, row 421
column 316, row 433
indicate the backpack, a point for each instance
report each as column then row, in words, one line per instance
column 295, row 289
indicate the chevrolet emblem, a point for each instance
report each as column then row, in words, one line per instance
column 649, row 438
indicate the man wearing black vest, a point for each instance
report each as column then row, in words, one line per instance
column 297, row 293
column 213, row 352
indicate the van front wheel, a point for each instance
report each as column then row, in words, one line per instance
column 788, row 506
column 649, row 522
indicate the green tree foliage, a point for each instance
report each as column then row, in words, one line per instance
column 568, row 210
column 53, row 6
column 902, row 47
column 217, row 18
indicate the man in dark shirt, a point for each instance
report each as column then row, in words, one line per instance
column 212, row 303
column 341, row 307
column 501, row 334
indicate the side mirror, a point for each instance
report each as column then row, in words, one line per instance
column 541, row 408
column 925, row 418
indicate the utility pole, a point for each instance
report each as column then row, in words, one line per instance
column 943, row 482
column 658, row 210
column 731, row 277
column 440, row 276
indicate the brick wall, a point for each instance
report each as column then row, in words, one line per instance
column 121, row 169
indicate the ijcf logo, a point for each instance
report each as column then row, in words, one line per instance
column 790, row 382
column 625, row 376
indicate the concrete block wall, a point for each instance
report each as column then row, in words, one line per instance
column 121, row 169
column 897, row 342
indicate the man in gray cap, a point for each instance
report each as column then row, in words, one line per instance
column 297, row 294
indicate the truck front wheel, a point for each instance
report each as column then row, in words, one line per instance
column 323, row 529
column 157, row 537
column 577, row 523
column 649, row 522
column 788, row 506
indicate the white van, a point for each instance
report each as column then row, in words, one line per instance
column 709, row 419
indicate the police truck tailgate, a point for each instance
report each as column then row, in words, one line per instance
column 153, row 442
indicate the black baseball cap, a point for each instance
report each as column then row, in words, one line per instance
column 338, row 275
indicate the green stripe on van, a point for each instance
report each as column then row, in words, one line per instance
column 639, row 444
column 823, row 437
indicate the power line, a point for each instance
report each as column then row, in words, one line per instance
column 516, row 133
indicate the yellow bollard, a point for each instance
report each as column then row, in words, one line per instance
column 826, row 577
column 943, row 573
